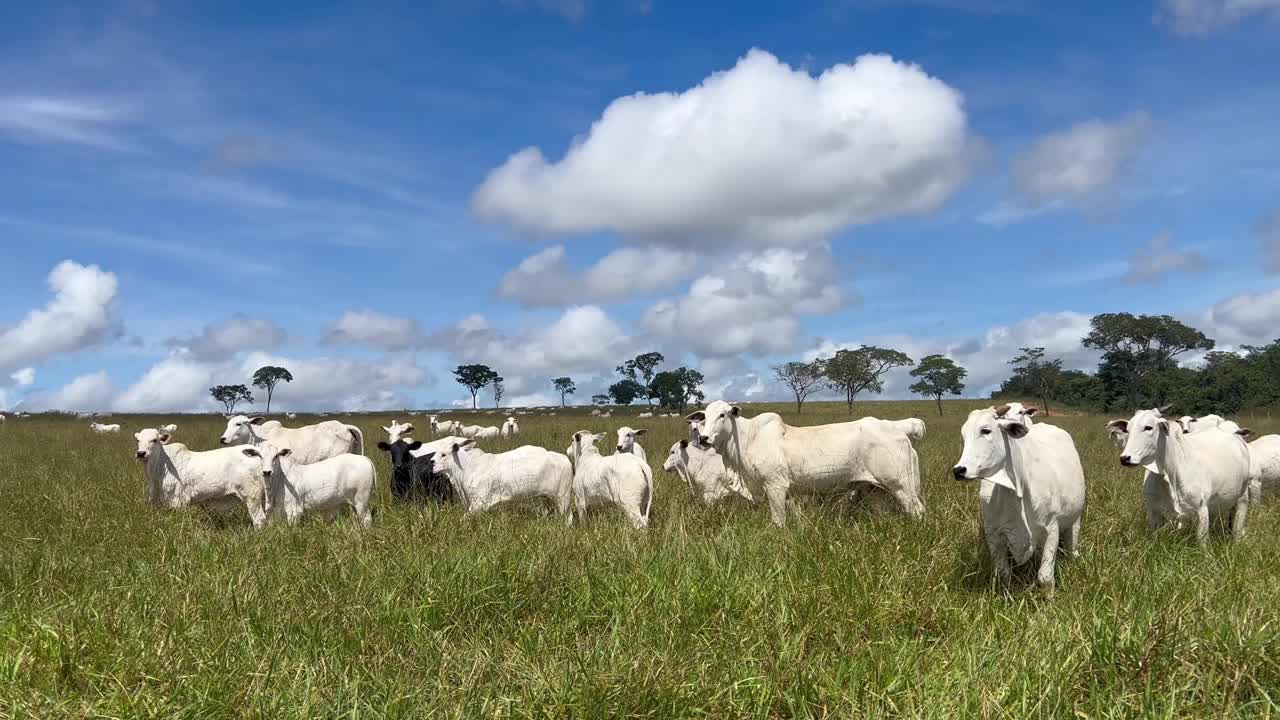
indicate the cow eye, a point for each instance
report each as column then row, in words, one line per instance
column 1148, row 428
column 986, row 431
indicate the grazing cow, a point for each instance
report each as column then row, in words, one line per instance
column 291, row 416
column 628, row 442
column 645, row 415
column 101, row 429
column 482, row 480
column 703, row 471
column 411, row 475
column 595, row 413
column 222, row 478
column 1205, row 472
column 442, row 427
column 324, row 486
column 3, row 418
column 622, row 479
column 396, row 431
column 1264, row 467
column 479, row 432
column 309, row 444
column 510, row 428
column 778, row 459
column 1038, row 492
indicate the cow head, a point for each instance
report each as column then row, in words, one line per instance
column 1147, row 429
column 147, row 439
column 986, row 447
column 627, row 439
column 401, row 452
column 396, row 431
column 238, row 429
column 584, row 441
column 273, row 458
column 1118, row 431
column 716, row 424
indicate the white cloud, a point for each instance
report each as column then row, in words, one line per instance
column 545, row 279
column 375, row 329
column 224, row 339
column 1076, row 163
column 761, row 153
column 750, row 306
column 1158, row 258
column 1200, row 17
column 583, row 339
column 24, row 377
column 1244, row 319
column 85, row 121
column 87, row 392
column 80, row 315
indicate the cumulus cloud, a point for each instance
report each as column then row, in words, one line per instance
column 87, row 392
column 1251, row 318
column 1268, row 231
column 80, row 315
column 761, row 153
column 750, row 306
column 24, row 377
column 1158, row 258
column 1076, row 163
column 545, row 279
column 224, row 339
column 583, row 339
column 1200, row 17
column 375, row 329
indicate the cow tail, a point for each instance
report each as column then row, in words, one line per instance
column 358, row 434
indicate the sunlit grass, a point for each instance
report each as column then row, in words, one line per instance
column 110, row 607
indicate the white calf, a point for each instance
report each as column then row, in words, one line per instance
column 222, row 478
column 623, row 480
column 703, row 471
column 101, row 429
column 324, row 486
column 309, row 444
column 483, row 480
column 628, row 442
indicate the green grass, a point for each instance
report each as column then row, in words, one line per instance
column 109, row 607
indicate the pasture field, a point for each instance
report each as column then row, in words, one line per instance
column 109, row 607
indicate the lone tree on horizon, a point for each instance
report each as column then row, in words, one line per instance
column 498, row 391
column 231, row 395
column 855, row 371
column 267, row 377
column 475, row 377
column 938, row 376
column 804, row 378
column 564, row 386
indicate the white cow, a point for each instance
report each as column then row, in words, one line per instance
column 222, row 478
column 628, row 442
column 442, row 427
column 645, row 415
column 483, row 480
column 703, row 471
column 510, row 428
column 913, row 428
column 777, row 459
column 479, row 432
column 1264, row 467
column 595, row 413
column 1038, row 495
column 622, row 479
column 308, row 444
column 1200, row 424
column 324, row 486
column 1156, row 495
column 1205, row 472
column 101, row 429
column 396, row 431
column 3, row 418
column 291, row 416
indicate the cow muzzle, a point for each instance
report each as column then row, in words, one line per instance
column 1127, row 461
column 704, row 440
column 223, row 441
column 141, row 454
column 960, row 472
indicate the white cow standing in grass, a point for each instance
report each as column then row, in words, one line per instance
column 777, row 459
column 483, row 480
column 103, row 429
column 1206, row 473
column 628, row 442
column 222, row 478
column 442, row 427
column 479, row 432
column 622, row 479
column 309, row 444
column 325, row 486
column 703, row 471
column 1038, row 492
column 1264, row 467
column 510, row 428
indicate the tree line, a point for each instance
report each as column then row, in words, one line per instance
column 863, row 370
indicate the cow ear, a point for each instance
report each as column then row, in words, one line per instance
column 1164, row 426
column 164, row 439
column 684, row 444
column 250, row 452
column 468, row 442
column 1244, row 432
column 1014, row 429
column 382, row 445
column 698, row 416
column 1120, row 425
column 415, row 444
column 641, row 432
column 1032, row 411
column 734, row 410
column 257, row 420
column 1000, row 411
column 386, row 429
column 285, row 452
column 457, row 447
column 406, row 429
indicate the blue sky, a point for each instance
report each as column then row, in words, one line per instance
column 372, row 196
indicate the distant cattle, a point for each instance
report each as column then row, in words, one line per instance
column 102, row 429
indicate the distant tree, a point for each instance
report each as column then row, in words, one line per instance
column 854, row 371
column 1134, row 348
column 231, row 395
column 675, row 388
column 938, row 376
column 804, row 378
column 1039, row 374
column 267, row 377
column 600, row 399
column 564, row 386
column 641, row 369
column 624, row 392
column 473, row 378
column 498, row 392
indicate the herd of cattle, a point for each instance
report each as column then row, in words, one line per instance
column 1031, row 495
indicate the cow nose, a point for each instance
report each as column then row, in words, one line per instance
column 704, row 439
column 266, row 473
column 619, row 448
column 141, row 453
column 959, row 472
column 222, row 440
column 1126, row 460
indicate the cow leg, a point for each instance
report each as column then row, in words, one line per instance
column 1073, row 538
column 1048, row 555
column 999, row 550
column 1154, row 521
column 257, row 515
column 1255, row 490
column 911, row 505
column 1240, row 520
column 1202, row 524
column 777, row 497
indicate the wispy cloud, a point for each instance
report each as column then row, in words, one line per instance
column 86, row 121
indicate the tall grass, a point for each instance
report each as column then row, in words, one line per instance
column 109, row 607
